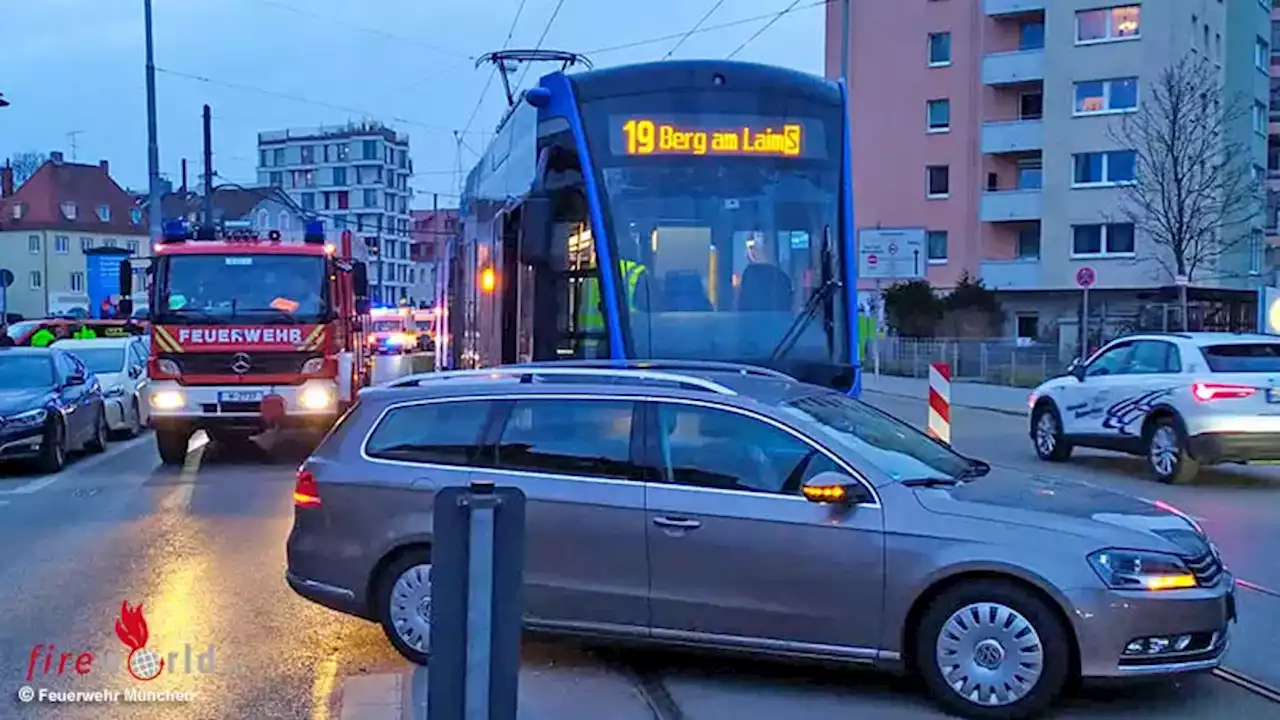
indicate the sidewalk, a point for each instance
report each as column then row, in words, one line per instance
column 976, row 395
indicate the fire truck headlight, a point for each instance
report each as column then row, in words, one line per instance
column 167, row 400
column 316, row 398
column 314, row 365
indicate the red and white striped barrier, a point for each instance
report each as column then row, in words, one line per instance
column 940, row 401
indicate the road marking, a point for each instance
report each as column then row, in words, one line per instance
column 1239, row 679
column 77, row 467
column 373, row 697
column 322, row 688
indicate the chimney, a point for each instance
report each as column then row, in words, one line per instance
column 106, row 167
column 6, row 181
column 184, row 176
column 55, row 157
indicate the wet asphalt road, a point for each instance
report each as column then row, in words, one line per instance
column 202, row 548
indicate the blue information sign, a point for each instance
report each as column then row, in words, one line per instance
column 102, row 284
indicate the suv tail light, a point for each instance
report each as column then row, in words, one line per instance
column 1204, row 392
column 306, row 491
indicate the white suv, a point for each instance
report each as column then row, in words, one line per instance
column 1180, row 399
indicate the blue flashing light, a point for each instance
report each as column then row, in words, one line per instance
column 314, row 231
column 175, row 231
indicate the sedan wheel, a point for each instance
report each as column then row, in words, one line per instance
column 406, row 607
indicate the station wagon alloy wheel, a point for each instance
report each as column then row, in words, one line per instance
column 990, row 654
column 410, row 607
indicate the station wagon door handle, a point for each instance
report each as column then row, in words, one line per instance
column 674, row 522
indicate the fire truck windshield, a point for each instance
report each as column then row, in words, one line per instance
column 241, row 288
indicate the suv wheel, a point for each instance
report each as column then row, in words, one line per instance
column 1167, row 453
column 991, row 649
column 404, row 602
column 1046, row 434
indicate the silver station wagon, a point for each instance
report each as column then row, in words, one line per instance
column 740, row 510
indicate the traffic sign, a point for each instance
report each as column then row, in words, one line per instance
column 1086, row 277
column 6, row 277
column 891, row 253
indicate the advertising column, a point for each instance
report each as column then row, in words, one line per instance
column 102, row 280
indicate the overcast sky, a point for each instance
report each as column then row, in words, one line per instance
column 78, row 66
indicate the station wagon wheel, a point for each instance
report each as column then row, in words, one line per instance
column 992, row 649
column 1047, row 436
column 404, row 604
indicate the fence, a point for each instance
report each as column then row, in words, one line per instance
column 999, row 361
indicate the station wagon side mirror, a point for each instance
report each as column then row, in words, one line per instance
column 1076, row 369
column 833, row 488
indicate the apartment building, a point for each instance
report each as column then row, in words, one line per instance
column 47, row 225
column 356, row 177
column 986, row 123
column 432, row 230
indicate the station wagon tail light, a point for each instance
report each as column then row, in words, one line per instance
column 306, row 492
column 825, row 493
column 1205, row 392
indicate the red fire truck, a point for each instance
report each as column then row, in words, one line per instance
column 250, row 333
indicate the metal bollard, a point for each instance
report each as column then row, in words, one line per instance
column 482, row 503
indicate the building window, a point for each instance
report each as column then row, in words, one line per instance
column 1031, row 36
column 131, row 246
column 1102, row 239
column 33, row 244
column 276, row 179
column 1029, row 243
column 1031, row 105
column 61, row 244
column 1104, row 168
column 284, row 220
column 277, row 157
column 339, row 176
column 135, row 216
column 340, row 221
column 1028, row 326
column 77, row 282
column 344, row 199
column 939, row 115
column 104, row 213
column 937, row 181
column 937, row 246
column 264, row 219
column 370, row 148
column 109, row 242
column 263, row 159
column 308, row 201
column 343, row 151
column 939, row 49
column 1108, row 24
column 86, row 243
column 1260, row 118
column 1030, row 174
column 1105, row 96
column 70, row 210
column 1262, row 55
column 34, row 281
column 308, row 154
column 370, row 198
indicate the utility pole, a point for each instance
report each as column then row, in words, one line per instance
column 71, row 137
column 208, row 167
column 154, row 212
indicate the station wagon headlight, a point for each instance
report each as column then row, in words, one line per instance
column 1138, row 570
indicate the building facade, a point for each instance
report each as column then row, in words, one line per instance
column 1272, row 220
column 432, row 231
column 994, row 134
column 48, row 223
column 356, row 177
column 262, row 209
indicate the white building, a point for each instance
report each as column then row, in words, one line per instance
column 356, row 177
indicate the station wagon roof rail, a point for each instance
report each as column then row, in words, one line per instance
column 667, row 365
column 527, row 374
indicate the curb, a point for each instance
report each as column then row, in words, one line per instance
column 984, row 408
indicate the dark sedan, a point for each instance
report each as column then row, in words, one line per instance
column 50, row 404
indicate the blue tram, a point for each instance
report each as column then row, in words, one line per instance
column 690, row 210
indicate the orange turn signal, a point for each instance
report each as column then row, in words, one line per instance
column 825, row 493
column 488, row 281
column 1169, row 582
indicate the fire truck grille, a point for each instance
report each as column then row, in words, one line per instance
column 259, row 363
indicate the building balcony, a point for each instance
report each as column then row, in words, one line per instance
column 1012, row 68
column 1011, row 205
column 1012, row 136
column 996, row 8
column 1022, row 274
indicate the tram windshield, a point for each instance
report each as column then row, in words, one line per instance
column 727, row 225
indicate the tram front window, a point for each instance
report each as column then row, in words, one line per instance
column 727, row 229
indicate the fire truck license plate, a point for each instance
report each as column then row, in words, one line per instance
column 240, row 396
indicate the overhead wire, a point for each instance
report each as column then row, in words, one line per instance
column 707, row 29
column 541, row 38
column 693, row 29
column 766, row 26
column 365, row 29
column 497, row 67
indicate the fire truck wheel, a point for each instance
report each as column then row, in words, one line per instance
column 172, row 445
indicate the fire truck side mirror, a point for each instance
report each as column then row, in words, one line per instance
column 360, row 279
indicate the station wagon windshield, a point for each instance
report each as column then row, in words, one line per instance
column 895, row 448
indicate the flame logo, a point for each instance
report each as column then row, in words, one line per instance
column 131, row 628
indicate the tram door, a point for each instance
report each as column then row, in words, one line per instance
column 518, row 294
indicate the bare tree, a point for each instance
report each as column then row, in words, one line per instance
column 1196, row 195
column 25, row 164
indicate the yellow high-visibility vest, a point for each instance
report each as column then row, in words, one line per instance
column 590, row 315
